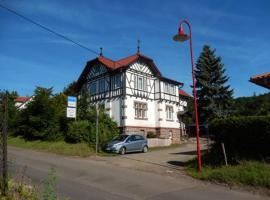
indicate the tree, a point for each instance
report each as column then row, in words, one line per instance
column 214, row 96
column 70, row 90
column 39, row 120
column 84, row 109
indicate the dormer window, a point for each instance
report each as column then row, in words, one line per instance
column 140, row 83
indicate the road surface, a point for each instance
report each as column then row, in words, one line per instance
column 90, row 178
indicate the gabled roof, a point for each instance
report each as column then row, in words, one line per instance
column 22, row 99
column 183, row 93
column 121, row 64
column 124, row 62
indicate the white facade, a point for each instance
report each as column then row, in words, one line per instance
column 135, row 95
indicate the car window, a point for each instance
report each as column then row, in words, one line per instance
column 120, row 138
column 131, row 138
column 139, row 137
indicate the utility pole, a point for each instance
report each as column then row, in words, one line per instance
column 4, row 181
column 97, row 128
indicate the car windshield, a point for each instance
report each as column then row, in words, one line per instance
column 120, row 138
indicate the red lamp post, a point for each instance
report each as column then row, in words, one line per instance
column 181, row 37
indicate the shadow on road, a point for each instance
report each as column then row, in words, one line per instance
column 188, row 152
column 177, row 163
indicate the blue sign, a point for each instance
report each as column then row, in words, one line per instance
column 72, row 101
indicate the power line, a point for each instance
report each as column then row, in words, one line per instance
column 54, row 32
column 48, row 29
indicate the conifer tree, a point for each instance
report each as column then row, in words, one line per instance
column 213, row 93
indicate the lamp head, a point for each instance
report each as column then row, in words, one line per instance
column 181, row 36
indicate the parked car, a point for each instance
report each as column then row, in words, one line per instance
column 128, row 143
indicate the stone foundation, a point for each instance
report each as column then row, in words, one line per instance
column 166, row 133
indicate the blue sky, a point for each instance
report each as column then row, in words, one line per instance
column 30, row 57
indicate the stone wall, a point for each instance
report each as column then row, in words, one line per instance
column 165, row 133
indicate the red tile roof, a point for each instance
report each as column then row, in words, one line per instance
column 262, row 80
column 22, row 99
column 124, row 62
column 119, row 63
column 183, row 93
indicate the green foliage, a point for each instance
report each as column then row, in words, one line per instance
column 244, row 137
column 214, row 96
column 78, row 131
column 85, row 130
column 70, row 90
column 151, row 135
column 84, row 110
column 49, row 192
column 19, row 188
column 246, row 173
column 252, row 106
column 12, row 110
column 58, row 147
column 41, row 118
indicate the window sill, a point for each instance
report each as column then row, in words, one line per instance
column 140, row 118
column 170, row 120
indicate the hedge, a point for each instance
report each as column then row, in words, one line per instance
column 244, row 137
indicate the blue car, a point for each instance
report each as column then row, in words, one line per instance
column 128, row 143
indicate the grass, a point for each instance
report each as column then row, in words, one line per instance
column 252, row 173
column 58, row 147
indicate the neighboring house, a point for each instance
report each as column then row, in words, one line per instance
column 21, row 102
column 135, row 94
column 261, row 80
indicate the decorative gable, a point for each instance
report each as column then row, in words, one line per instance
column 141, row 67
column 96, row 71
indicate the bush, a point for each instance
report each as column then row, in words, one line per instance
column 78, row 131
column 244, row 137
column 151, row 135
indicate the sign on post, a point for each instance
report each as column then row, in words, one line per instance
column 72, row 101
column 71, row 107
column 71, row 112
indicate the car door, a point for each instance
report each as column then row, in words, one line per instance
column 138, row 143
column 130, row 143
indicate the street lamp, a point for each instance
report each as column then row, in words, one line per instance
column 181, row 37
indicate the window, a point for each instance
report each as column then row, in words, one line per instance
column 101, row 85
column 140, row 110
column 93, row 88
column 140, row 83
column 169, row 112
column 166, row 87
column 116, row 81
column 169, row 88
column 139, row 137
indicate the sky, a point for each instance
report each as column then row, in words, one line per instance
column 30, row 56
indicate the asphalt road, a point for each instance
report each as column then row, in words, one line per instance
column 90, row 179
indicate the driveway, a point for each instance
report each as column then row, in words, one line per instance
column 101, row 178
column 168, row 161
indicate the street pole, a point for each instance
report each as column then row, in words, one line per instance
column 97, row 121
column 181, row 37
column 4, row 182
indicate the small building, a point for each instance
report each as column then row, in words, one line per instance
column 135, row 94
column 21, row 102
column 261, row 80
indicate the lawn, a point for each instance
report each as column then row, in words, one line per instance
column 252, row 173
column 58, row 147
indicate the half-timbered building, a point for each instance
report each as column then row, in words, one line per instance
column 135, row 94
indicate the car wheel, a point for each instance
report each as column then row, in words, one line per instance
column 145, row 149
column 122, row 151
